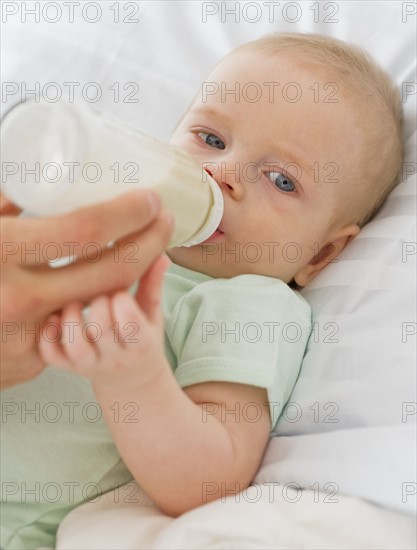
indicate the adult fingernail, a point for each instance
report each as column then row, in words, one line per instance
column 169, row 218
column 154, row 201
column 167, row 259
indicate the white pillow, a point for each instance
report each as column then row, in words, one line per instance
column 367, row 296
column 351, row 417
column 361, row 355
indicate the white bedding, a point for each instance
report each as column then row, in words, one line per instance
column 266, row 517
column 369, row 375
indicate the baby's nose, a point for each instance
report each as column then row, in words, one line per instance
column 224, row 176
column 217, row 178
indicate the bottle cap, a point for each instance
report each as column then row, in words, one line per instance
column 214, row 217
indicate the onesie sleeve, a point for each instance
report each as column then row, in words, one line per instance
column 249, row 329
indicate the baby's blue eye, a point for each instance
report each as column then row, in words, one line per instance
column 281, row 181
column 212, row 140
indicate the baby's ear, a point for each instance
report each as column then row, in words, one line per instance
column 326, row 254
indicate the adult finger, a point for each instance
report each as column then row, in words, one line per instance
column 7, row 207
column 83, row 280
column 37, row 240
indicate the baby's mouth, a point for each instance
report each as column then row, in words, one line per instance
column 208, row 171
column 214, row 235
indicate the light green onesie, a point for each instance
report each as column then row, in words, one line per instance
column 56, row 450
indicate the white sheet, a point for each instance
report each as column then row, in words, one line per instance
column 266, row 517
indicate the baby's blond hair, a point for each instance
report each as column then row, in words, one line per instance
column 378, row 102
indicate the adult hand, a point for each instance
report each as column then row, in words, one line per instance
column 31, row 290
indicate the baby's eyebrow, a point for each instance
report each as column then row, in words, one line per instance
column 210, row 111
column 289, row 157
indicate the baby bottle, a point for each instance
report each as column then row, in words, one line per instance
column 56, row 157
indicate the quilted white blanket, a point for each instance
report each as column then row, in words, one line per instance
column 265, row 516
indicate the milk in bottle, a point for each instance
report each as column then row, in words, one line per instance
column 59, row 157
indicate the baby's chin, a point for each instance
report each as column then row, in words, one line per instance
column 197, row 259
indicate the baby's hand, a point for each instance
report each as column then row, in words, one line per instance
column 122, row 343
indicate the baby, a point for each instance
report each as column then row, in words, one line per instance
column 188, row 378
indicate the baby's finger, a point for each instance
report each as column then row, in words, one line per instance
column 101, row 314
column 76, row 339
column 149, row 293
column 131, row 321
column 49, row 346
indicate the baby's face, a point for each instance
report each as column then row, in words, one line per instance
column 278, row 152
